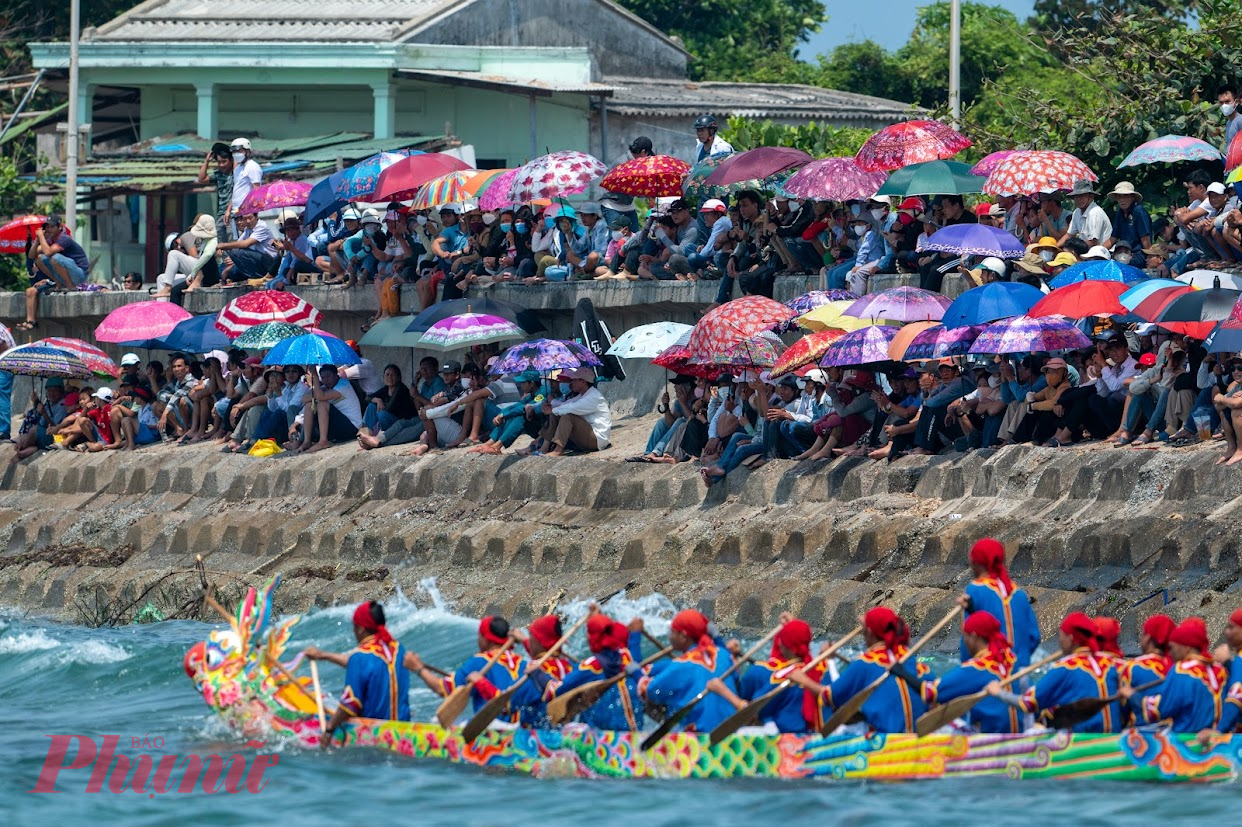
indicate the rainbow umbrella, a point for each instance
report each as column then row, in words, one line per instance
column 98, row 362
column 446, row 189
column 495, row 193
column 1171, row 149
column 1025, row 334
column 267, row 335
column 140, row 321
column 274, row 196
column 1136, row 294
column 481, row 179
column 469, row 329
column 45, row 362
column 911, row 142
column 865, row 346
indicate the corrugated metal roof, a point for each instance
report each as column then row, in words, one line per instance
column 642, row 97
column 503, row 82
column 166, row 146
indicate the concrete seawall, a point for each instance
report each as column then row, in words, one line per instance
column 86, row 535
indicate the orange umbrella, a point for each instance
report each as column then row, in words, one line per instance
column 897, row 347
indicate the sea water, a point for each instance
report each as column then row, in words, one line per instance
column 128, row 681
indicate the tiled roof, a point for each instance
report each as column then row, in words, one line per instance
column 639, row 97
column 271, row 20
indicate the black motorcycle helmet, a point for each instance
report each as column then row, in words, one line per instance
column 706, row 122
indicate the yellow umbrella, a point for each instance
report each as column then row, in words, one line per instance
column 832, row 314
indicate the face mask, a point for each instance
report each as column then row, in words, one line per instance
column 905, row 219
column 489, row 219
column 239, row 158
column 724, row 393
column 856, row 209
column 617, row 235
column 476, row 226
column 993, row 381
column 520, row 227
column 505, row 226
column 422, row 220
column 1226, row 109
column 860, row 230
column 1047, row 255
column 1124, row 258
column 878, row 213
column 564, row 386
column 698, row 393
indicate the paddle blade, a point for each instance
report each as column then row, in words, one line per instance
column 475, row 726
column 453, row 706
column 846, row 711
column 745, row 716
column 566, row 707
column 671, row 721
column 947, row 712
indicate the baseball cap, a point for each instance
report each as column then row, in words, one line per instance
column 450, row 367
column 1216, row 187
column 983, row 209
column 105, row 394
column 54, row 382
column 1147, row 360
column 1053, row 364
column 1063, row 260
column 252, row 360
column 533, row 376
column 579, row 373
column 130, row 359
column 678, row 204
column 240, row 143
column 788, row 381
column 713, row 205
column 994, row 264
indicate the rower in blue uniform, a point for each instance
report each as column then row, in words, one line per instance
column 673, row 683
column 1190, row 697
column 992, row 591
column 531, row 698
column 1227, row 655
column 493, row 633
column 610, row 644
column 794, row 709
column 991, row 659
column 1152, row 665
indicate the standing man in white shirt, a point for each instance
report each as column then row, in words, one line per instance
column 708, row 142
column 1089, row 221
column 246, row 173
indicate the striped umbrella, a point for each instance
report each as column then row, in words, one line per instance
column 268, row 334
column 266, row 306
column 140, row 321
column 469, row 329
column 45, row 362
column 806, row 351
column 98, row 362
column 447, row 189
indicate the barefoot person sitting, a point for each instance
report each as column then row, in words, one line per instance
column 582, row 421
column 331, row 414
column 1229, row 404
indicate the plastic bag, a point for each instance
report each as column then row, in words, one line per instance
column 265, row 448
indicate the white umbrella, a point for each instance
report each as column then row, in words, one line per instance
column 648, row 341
column 1206, row 280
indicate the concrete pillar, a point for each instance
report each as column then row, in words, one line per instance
column 208, row 110
column 86, row 97
column 384, row 96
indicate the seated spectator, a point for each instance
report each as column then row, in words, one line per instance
column 897, row 416
column 131, row 281
column 710, row 253
column 56, row 262
column 246, row 415
column 980, row 412
column 673, row 413
column 1187, row 218
column 203, row 397
column 507, row 256
column 847, row 412
column 91, row 428
column 792, row 220
column 174, row 398
column 1131, row 223
column 390, row 403
column 748, row 445
column 298, row 258
column 252, row 256
column 1018, row 387
column 136, row 424
column 873, row 247
column 1045, row 413
column 521, row 417
column 1228, row 404
column 1088, row 223
column 581, row 421
column 937, row 424
column 588, row 253
column 184, row 252
column 1099, row 413
column 551, row 246
column 1149, row 393
column 284, row 404
column 42, row 421
column 331, row 415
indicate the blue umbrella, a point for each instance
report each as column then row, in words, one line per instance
column 197, row 334
column 1226, row 337
column 358, row 182
column 311, row 349
column 996, row 300
column 975, row 240
column 322, row 202
column 1133, row 297
column 1100, row 270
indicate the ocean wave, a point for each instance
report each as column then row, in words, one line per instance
column 25, row 642
column 84, row 651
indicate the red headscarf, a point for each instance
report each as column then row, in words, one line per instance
column 886, row 625
column 545, row 630
column 1158, row 628
column 986, row 626
column 485, row 631
column 1107, row 629
column 363, row 618
column 1081, row 628
column 990, row 554
column 1236, row 617
column 796, row 637
column 605, row 633
column 693, row 624
column 1192, row 632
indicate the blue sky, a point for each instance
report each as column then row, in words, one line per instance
column 887, row 23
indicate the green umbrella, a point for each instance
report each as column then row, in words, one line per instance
column 391, row 333
column 266, row 335
column 932, row 178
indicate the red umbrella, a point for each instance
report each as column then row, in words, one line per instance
column 759, row 162
column 261, row 306
column 652, row 176
column 734, row 322
column 1233, row 157
column 1082, row 299
column 677, row 359
column 807, row 351
column 1036, row 171
column 1150, row 307
column 13, row 235
column 911, row 142
column 401, row 181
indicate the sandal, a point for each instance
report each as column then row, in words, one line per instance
column 1141, row 440
column 27, row 325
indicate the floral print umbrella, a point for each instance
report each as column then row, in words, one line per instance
column 648, row 341
column 1024, row 334
column 98, row 362
column 1171, row 149
column 756, row 353
column 653, row 176
column 991, row 161
column 736, row 321
column 1030, row 173
column 266, row 306
column 267, row 335
column 911, row 142
column 942, row 342
column 468, row 329
column 677, row 359
column 558, row 173
column 358, row 183
column 834, row 179
column 902, row 304
column 806, row 351
column 1106, row 270
column 275, row 195
column 975, row 240
column 46, row 362
column 545, row 356
column 860, row 347
column 495, row 194
column 815, row 298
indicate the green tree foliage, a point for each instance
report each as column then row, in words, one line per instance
column 738, row 40
column 17, row 196
column 1061, row 15
column 866, row 68
column 819, row 140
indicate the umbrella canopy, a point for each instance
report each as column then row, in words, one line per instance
column 311, row 349
column 677, row 359
column 445, row 189
column 942, row 342
column 497, row 192
column 1153, row 304
column 759, row 352
column 1033, row 172
column 401, row 180
column 544, row 355
column 833, row 179
column 1214, row 304
column 902, row 304
column 1131, row 298
column 13, row 235
column 992, row 301
column 139, row 321
column 357, row 183
column 1027, row 335
column 1233, row 154
column 734, row 322
column 831, row 315
column 45, row 362
column 96, row 361
column 468, row 329
column 990, row 162
column 806, row 351
column 1171, row 149
column 526, row 319
column 649, row 340
column 911, row 142
column 322, row 201
column 1106, row 270
column 558, row 173
column 932, row 178
column 6, row 338
column 816, row 298
column 197, row 334
column 652, row 176
column 391, row 333
column 760, row 162
column 897, row 347
column 1082, row 299
column 274, row 196
column 975, row 240
column 267, row 335
column 1204, row 279
column 262, row 306
column 860, row 347
column 481, row 179
column 1226, row 337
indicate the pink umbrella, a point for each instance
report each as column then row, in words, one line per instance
column 275, row 195
column 262, row 306
column 759, row 162
column 1029, row 173
column 912, row 142
column 139, row 321
column 991, row 161
column 834, row 179
column 558, row 173
column 497, row 195
column 902, row 304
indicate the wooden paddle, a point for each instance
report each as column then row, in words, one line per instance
column 323, row 719
column 496, row 705
column 564, row 707
column 749, row 713
column 678, row 716
column 850, row 708
column 455, row 703
column 1068, row 715
column 955, row 708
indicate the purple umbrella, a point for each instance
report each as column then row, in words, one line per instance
column 809, row 301
column 864, row 346
column 991, row 161
column 975, row 240
column 902, row 304
column 1025, row 334
column 759, row 162
column 942, row 342
column 834, row 179
column 544, row 355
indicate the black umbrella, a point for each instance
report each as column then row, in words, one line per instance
column 521, row 316
column 1212, row 305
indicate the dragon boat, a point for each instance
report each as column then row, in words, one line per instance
column 240, row 676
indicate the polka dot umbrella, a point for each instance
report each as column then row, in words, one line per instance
column 653, row 176
column 1030, row 173
column 911, row 142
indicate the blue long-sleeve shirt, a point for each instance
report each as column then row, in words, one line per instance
column 1190, row 696
column 609, row 711
column 377, row 685
column 1014, row 611
column 503, row 673
column 674, row 683
column 1016, row 391
column 956, row 389
column 1080, row 674
column 989, row 714
column 1231, row 708
column 1141, row 671
column 785, row 710
column 894, row 706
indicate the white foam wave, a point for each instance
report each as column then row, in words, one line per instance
column 36, row 641
column 85, row 651
column 94, row 651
